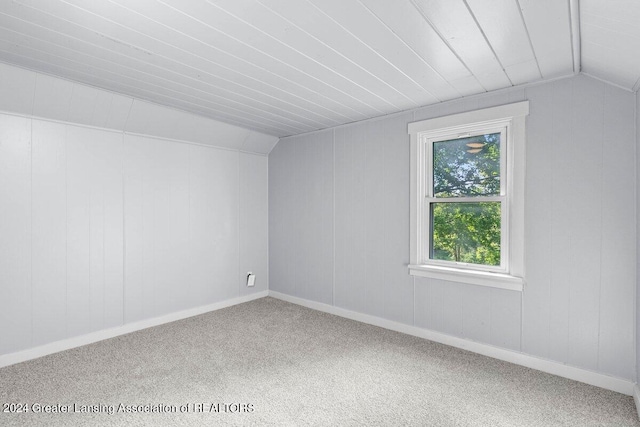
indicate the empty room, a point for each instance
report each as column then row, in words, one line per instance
column 319, row 212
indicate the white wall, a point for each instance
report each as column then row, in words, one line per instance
column 101, row 228
column 339, row 228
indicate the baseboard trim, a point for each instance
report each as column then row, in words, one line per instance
column 69, row 343
column 556, row 368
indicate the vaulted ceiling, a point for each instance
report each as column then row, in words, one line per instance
column 286, row 67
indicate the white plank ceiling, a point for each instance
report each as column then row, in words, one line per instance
column 611, row 41
column 286, row 67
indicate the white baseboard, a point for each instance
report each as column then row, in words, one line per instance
column 578, row 374
column 69, row 343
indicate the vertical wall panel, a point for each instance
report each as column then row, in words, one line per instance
column 476, row 313
column 111, row 159
column 481, row 314
column 100, row 165
column 96, row 258
column 373, row 215
column 77, row 204
column 277, row 219
column 301, row 217
column 313, row 217
column 352, row 261
column 371, row 223
column 171, row 225
column 506, row 319
column 280, row 212
column 201, row 232
column 342, row 199
column 157, row 266
column 439, row 306
column 451, row 298
column 289, row 214
column 149, row 235
column 79, row 225
column 323, row 188
column 253, row 221
column 561, row 246
column 615, row 351
column 214, row 213
column 398, row 287
column 15, row 229
column 224, row 221
column 586, row 203
column 182, row 223
column 181, row 216
column 106, row 229
column 538, row 214
column 134, row 172
column 300, row 209
column 424, row 296
column 49, row 258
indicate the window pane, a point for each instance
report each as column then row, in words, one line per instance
column 466, row 167
column 466, row 232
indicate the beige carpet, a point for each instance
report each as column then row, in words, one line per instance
column 268, row 362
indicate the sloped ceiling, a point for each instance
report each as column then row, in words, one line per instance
column 39, row 95
column 285, row 67
column 611, row 41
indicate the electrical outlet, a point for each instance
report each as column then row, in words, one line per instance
column 251, row 279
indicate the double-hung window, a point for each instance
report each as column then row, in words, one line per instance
column 467, row 197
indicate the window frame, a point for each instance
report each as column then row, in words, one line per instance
column 509, row 119
column 428, row 139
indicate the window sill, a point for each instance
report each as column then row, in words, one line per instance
column 474, row 277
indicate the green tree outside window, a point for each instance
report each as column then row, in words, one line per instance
column 466, row 231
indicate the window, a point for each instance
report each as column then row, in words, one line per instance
column 467, row 201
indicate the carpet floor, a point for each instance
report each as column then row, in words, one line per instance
column 268, row 362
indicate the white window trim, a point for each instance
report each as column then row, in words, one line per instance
column 513, row 116
column 426, row 143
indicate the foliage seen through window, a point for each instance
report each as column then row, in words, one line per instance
column 466, row 231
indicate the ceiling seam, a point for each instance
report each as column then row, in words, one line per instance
column 135, row 79
column 487, row 41
column 526, row 29
column 331, row 100
column 169, row 59
column 424, row 61
column 239, row 123
column 204, row 101
column 199, row 115
column 445, row 41
column 346, row 57
column 278, row 125
column 373, row 50
column 302, row 54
